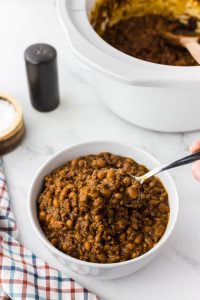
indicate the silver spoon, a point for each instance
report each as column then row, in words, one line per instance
column 183, row 161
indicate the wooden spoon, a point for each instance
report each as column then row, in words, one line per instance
column 188, row 42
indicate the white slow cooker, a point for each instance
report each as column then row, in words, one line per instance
column 157, row 97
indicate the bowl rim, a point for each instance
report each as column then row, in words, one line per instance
column 52, row 248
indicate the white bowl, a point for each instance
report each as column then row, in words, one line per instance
column 167, row 97
column 102, row 271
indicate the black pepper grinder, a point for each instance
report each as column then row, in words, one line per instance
column 42, row 73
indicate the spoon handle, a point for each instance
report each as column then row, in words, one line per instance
column 180, row 162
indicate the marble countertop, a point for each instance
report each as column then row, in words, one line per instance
column 175, row 273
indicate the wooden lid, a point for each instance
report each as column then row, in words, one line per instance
column 11, row 137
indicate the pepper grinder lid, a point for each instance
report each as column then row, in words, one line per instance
column 42, row 73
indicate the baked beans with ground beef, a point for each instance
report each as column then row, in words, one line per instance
column 91, row 209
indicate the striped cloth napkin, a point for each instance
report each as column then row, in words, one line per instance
column 22, row 274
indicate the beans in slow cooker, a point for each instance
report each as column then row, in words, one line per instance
column 145, row 38
column 91, row 209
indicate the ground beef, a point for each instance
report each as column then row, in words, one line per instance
column 91, row 209
column 144, row 38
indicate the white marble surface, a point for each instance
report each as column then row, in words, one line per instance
column 175, row 274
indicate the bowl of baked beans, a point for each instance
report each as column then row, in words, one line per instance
column 94, row 217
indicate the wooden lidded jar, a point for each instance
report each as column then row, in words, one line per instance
column 11, row 137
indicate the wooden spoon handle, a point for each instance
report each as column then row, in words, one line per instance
column 192, row 46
